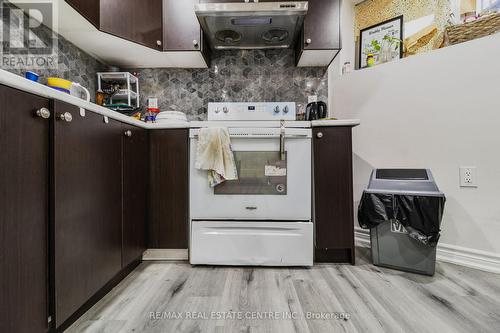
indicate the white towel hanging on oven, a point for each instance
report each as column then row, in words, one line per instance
column 214, row 154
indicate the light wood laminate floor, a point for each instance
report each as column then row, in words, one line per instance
column 175, row 297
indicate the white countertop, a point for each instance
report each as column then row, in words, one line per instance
column 338, row 122
column 19, row 82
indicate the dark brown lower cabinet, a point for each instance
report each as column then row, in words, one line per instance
column 86, row 187
column 333, row 198
column 168, row 189
column 24, row 204
column 73, row 206
column 135, row 149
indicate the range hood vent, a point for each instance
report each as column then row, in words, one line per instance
column 253, row 25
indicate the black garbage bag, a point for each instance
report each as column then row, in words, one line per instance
column 420, row 215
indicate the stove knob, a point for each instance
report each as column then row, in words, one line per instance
column 217, row 110
column 277, row 109
column 225, row 109
column 285, row 109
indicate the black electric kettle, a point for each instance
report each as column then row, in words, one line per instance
column 316, row 110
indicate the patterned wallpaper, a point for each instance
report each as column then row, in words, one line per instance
column 234, row 76
column 73, row 63
column 372, row 12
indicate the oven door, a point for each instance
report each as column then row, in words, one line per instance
column 268, row 188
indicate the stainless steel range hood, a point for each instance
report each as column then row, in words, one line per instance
column 252, row 25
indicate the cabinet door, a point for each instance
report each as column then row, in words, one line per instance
column 181, row 29
column 87, row 207
column 88, row 9
column 24, row 184
column 333, row 193
column 137, row 21
column 168, row 196
column 135, row 180
column 321, row 25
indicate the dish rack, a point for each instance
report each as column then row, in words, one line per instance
column 127, row 95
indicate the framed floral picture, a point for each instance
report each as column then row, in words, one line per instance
column 381, row 43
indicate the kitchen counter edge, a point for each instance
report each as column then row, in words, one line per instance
column 21, row 83
column 339, row 122
column 18, row 82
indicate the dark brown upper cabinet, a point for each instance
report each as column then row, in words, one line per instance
column 135, row 152
column 137, row 21
column 24, row 211
column 319, row 43
column 161, row 25
column 88, row 9
column 181, row 30
column 321, row 25
column 86, row 199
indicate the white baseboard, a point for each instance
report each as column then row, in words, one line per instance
column 165, row 254
column 482, row 260
column 362, row 237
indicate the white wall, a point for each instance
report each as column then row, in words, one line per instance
column 348, row 46
column 439, row 110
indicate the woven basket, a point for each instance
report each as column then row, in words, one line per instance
column 484, row 26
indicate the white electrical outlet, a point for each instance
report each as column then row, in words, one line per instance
column 312, row 98
column 468, row 177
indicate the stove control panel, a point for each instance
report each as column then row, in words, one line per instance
column 252, row 111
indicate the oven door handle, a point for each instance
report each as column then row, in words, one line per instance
column 289, row 133
column 282, row 140
column 256, row 136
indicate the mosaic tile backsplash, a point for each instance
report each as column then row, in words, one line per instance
column 73, row 63
column 234, row 76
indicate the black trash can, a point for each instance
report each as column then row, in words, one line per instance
column 403, row 209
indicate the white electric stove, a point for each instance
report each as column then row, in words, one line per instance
column 264, row 217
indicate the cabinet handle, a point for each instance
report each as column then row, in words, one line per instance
column 319, row 135
column 195, row 43
column 128, row 133
column 308, row 41
column 66, row 116
column 158, row 42
column 43, row 113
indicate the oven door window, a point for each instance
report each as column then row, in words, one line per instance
column 259, row 172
